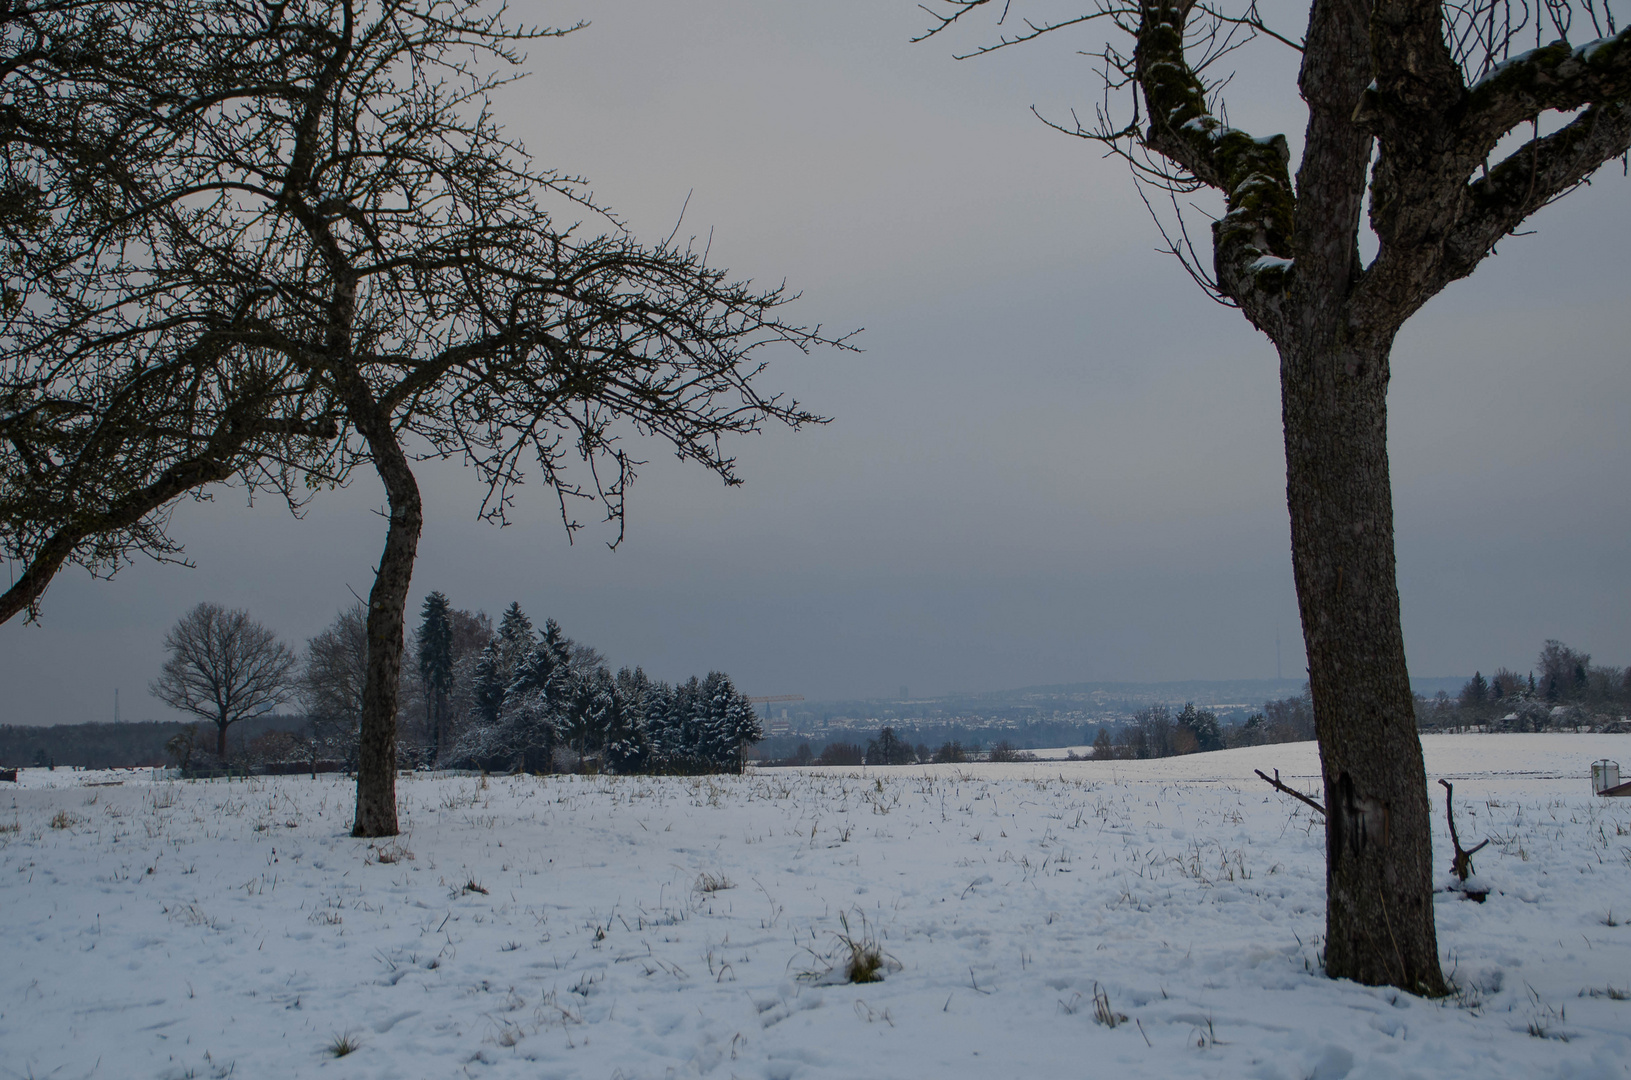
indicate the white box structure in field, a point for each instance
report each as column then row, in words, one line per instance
column 1605, row 779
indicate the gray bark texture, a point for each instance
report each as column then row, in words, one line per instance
column 1380, row 82
column 1379, row 915
column 387, row 608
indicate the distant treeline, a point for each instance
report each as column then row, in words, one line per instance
column 470, row 697
column 1564, row 691
column 1153, row 732
column 111, row 746
column 1030, row 735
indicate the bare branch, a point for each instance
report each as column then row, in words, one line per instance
column 1461, row 866
column 1555, row 77
column 1293, row 792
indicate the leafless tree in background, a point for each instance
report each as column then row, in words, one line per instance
column 223, row 667
column 333, row 675
column 1427, row 111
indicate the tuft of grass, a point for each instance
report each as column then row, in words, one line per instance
column 64, row 820
column 1609, row 919
column 1610, row 992
column 342, row 1045
column 15, row 826
column 472, row 887
column 856, row 956
column 712, row 883
column 1102, row 1012
column 1543, row 1018
column 393, row 852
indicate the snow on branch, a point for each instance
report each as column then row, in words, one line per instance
column 1558, row 76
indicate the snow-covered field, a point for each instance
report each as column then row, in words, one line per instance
column 635, row 927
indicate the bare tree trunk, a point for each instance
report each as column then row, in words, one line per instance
column 1379, row 907
column 221, row 740
column 387, row 612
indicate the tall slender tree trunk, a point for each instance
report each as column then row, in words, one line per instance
column 1379, row 859
column 387, row 611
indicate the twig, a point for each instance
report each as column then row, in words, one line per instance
column 1276, row 785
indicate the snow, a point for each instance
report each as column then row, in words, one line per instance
column 655, row 927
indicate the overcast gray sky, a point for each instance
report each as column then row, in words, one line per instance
column 1055, row 461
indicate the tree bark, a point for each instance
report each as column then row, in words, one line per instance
column 1379, row 907
column 387, row 605
column 387, row 608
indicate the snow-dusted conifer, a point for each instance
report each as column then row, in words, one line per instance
column 626, row 746
column 434, row 645
column 742, row 721
column 662, row 734
column 686, row 717
column 490, row 685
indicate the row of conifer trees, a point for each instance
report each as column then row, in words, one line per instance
column 543, row 702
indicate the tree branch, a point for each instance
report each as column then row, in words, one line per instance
column 1293, row 792
column 1462, row 864
column 1252, row 241
column 1536, row 174
column 1557, row 76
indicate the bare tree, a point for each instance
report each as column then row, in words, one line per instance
column 333, row 675
column 223, row 667
column 347, row 176
column 1409, row 103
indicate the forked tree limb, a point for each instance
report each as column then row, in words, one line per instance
column 1293, row 792
column 1461, row 866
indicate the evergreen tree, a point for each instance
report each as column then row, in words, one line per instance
column 500, row 658
column 627, row 748
column 662, row 738
column 626, row 739
column 435, row 648
column 1476, row 692
column 713, row 741
column 686, row 717
column 514, row 637
column 632, row 688
column 888, row 749
column 1102, row 746
column 578, row 719
column 489, row 685
column 605, row 709
column 745, row 726
column 538, row 701
column 1202, row 724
